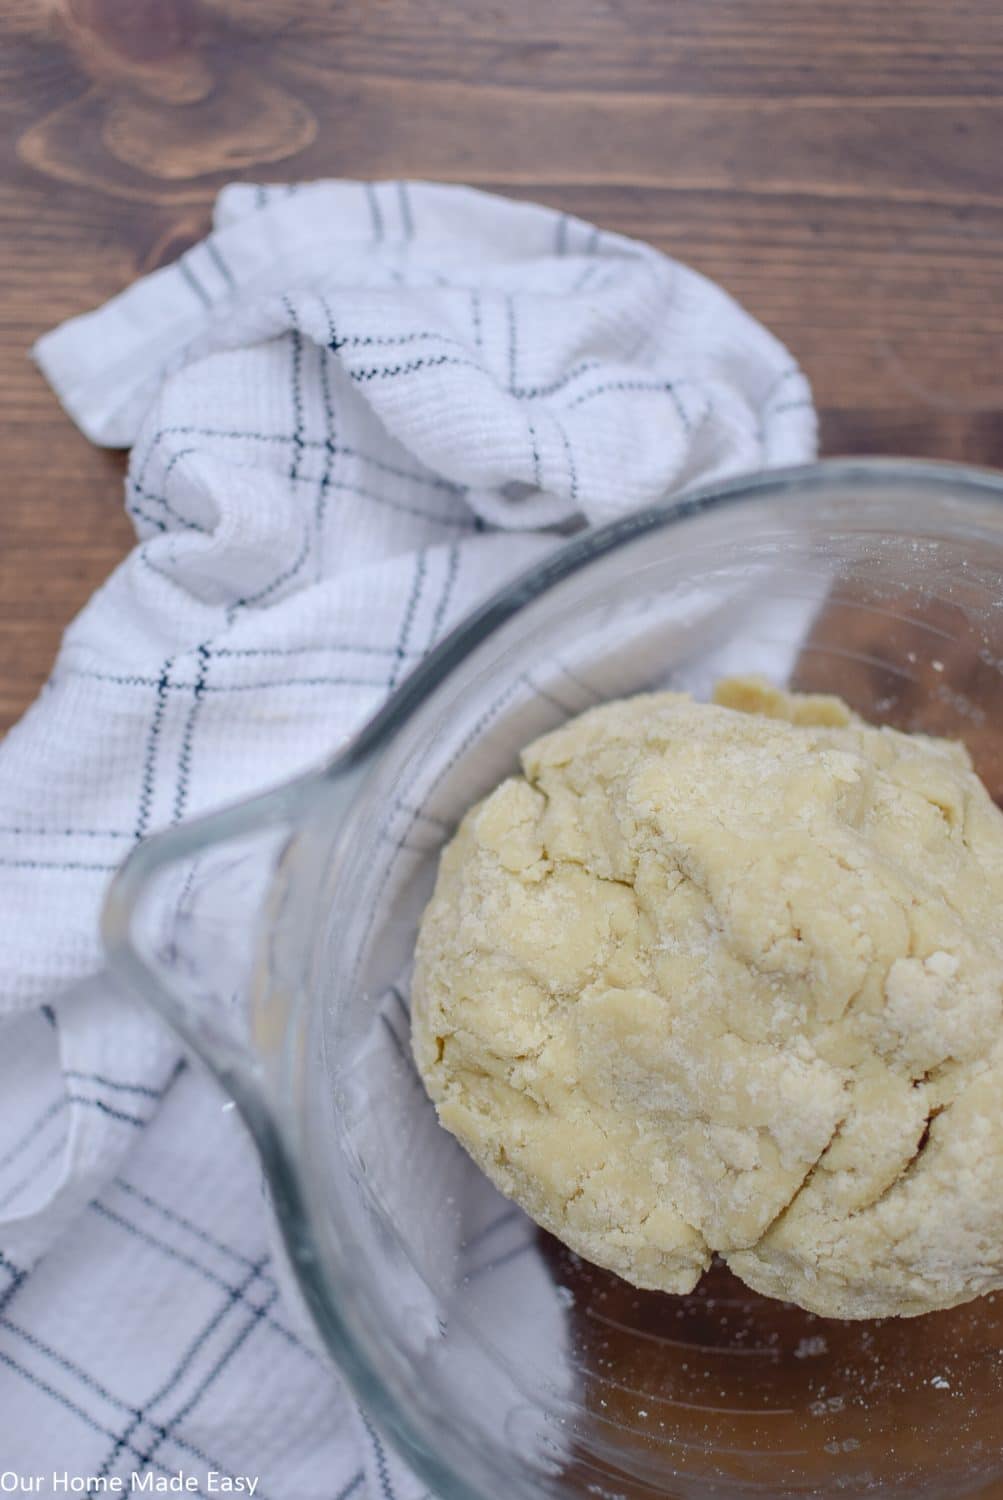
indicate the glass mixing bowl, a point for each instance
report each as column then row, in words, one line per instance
column 276, row 938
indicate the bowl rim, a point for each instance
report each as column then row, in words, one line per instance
column 350, row 1352
column 595, row 542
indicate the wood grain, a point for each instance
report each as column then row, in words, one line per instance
column 835, row 165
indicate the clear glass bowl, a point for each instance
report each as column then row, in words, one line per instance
column 276, row 938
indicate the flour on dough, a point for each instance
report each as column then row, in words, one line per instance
column 728, row 977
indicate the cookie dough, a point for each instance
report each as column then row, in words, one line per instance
column 728, row 978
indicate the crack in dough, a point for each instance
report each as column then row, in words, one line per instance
column 728, row 978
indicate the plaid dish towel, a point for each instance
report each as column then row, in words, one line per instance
column 353, row 410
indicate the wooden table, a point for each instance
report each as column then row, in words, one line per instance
column 836, row 164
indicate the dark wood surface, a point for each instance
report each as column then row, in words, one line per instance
column 834, row 163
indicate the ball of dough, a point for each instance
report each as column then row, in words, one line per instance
column 728, row 978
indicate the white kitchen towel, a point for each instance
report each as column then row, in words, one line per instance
column 354, row 409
